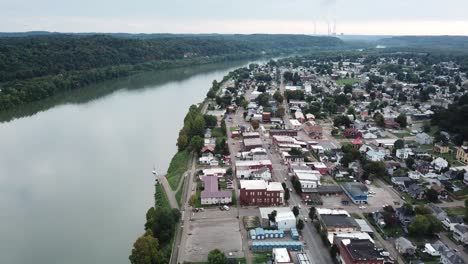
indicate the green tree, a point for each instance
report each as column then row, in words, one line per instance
column 300, row 224
column 287, row 195
column 402, row 120
column 198, row 126
column 182, row 141
column 217, row 257
column 348, row 88
column 419, row 226
column 432, row 195
column 379, row 119
column 210, row 120
column 272, row 216
column 196, row 144
column 145, row 250
column 295, row 211
column 278, row 97
column 374, row 169
column 399, row 144
column 312, row 212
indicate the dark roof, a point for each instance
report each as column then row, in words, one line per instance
column 339, row 221
column 456, row 219
column 361, row 249
column 355, row 188
column 415, row 189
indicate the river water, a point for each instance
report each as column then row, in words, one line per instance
column 75, row 171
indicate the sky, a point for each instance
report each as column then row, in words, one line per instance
column 353, row 17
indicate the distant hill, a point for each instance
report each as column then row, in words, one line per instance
column 436, row 42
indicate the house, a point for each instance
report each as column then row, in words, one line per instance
column 416, row 191
column 400, row 181
column 437, row 211
column 404, row 246
column 439, row 163
column 403, row 153
column 208, row 159
column 309, row 179
column 391, row 124
column 282, row 256
column 299, row 116
column 423, row 139
column 357, row 251
column 261, row 174
column 244, row 168
column 440, row 147
column 374, row 155
column 460, row 233
column 450, row 221
column 260, row 193
column 415, row 175
column 369, row 135
column 450, row 257
column 211, row 194
column 442, row 193
column 313, row 130
column 379, row 219
column 462, row 154
column 356, row 191
column 465, row 178
column 404, row 215
column 422, row 166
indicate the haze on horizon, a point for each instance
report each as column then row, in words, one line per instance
column 353, row 17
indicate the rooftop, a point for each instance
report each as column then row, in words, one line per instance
column 355, row 188
column 281, row 255
column 339, row 221
column 360, row 249
column 211, row 188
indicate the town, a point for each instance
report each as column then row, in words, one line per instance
column 349, row 160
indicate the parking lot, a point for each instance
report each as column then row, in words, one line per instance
column 211, row 229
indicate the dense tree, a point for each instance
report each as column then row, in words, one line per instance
column 402, row 120
column 278, row 97
column 312, row 212
column 300, row 224
column 210, row 120
column 287, row 195
column 196, row 144
column 272, row 216
column 295, row 211
column 374, row 169
column 399, row 144
column 379, row 119
column 341, row 120
column 146, row 250
column 217, row 257
column 432, row 195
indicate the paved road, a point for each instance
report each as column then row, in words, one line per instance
column 169, row 192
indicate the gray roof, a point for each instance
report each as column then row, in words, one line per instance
column 355, row 188
column 339, row 221
column 452, row 257
column 435, row 209
column 362, row 249
column 404, row 242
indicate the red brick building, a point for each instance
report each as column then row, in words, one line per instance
column 357, row 251
column 261, row 193
column 283, row 132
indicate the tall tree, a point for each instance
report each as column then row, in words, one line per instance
column 217, row 257
column 145, row 250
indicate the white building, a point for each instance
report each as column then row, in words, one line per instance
column 439, row 163
column 424, row 139
column 374, row 155
column 403, row 153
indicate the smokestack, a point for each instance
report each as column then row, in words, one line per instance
column 334, row 28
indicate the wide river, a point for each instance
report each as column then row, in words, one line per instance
column 75, row 171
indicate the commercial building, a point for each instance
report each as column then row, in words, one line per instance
column 260, row 193
column 357, row 251
column 283, row 132
column 245, row 168
column 251, row 143
column 356, row 191
column 211, row 194
column 282, row 256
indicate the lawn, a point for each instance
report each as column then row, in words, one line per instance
column 348, row 81
column 177, row 168
column 234, row 197
column 394, row 231
column 217, row 132
column 356, row 216
column 261, row 257
column 453, row 211
column 161, row 198
column 178, row 195
column 402, row 134
column 462, row 192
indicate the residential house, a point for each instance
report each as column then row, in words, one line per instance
column 460, row 233
column 437, row 211
column 440, row 147
column 357, row 251
column 403, row 153
column 405, row 246
column 462, row 154
column 422, row 166
column 439, row 163
column 415, row 175
column 261, row 174
column 379, row 218
column 416, row 191
column 442, row 193
column 375, row 155
column 391, row 124
column 450, row 221
column 450, row 257
column 405, row 216
column 423, row 139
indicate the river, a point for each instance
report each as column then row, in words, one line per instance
column 75, row 170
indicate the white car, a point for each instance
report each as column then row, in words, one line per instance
column 362, row 207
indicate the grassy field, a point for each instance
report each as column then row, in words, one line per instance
column 178, row 194
column 348, row 81
column 161, row 198
column 261, row 257
column 402, row 134
column 177, row 168
column 453, row 211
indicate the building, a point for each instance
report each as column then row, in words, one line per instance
column 244, row 168
column 437, row 211
column 252, row 143
column 404, row 246
column 251, row 135
column 375, row 155
column 211, row 194
column 283, row 132
column 308, row 180
column 357, row 251
column 337, row 224
column 423, row 139
column 441, row 147
column 313, row 130
column 260, row 193
column 356, row 191
column 285, row 218
column 282, row 256
column 218, row 172
column 261, row 174
column 450, row 257
column 450, row 222
column 258, row 154
column 462, row 154
column 302, row 258
column 439, row 163
column 460, row 233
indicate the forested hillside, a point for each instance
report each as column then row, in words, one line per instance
column 437, row 42
column 36, row 67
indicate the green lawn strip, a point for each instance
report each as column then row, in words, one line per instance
column 356, row 216
column 177, row 168
column 179, row 194
column 348, row 81
column 261, row 257
column 161, row 197
column 234, row 197
column 454, row 211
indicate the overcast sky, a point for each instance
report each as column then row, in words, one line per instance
column 396, row 17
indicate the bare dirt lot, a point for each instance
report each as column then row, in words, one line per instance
column 212, row 229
